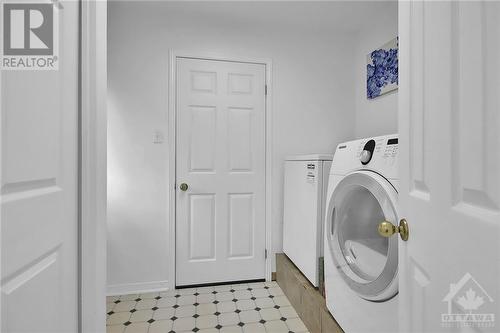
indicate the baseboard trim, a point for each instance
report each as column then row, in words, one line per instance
column 137, row 288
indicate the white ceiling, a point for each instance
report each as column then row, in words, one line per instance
column 350, row 16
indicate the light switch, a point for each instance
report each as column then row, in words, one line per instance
column 158, row 137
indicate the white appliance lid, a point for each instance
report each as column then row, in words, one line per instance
column 310, row 157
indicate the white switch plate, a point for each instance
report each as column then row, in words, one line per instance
column 158, row 137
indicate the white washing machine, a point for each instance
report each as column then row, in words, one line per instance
column 361, row 267
column 306, row 182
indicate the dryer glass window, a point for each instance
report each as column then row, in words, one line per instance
column 363, row 248
column 366, row 261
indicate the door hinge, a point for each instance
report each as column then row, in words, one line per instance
column 265, row 89
column 265, row 253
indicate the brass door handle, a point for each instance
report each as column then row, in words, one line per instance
column 387, row 229
column 184, row 187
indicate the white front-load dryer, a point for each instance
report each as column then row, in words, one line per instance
column 361, row 266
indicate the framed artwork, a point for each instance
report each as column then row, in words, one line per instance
column 382, row 70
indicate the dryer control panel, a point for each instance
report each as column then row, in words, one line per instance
column 384, row 148
column 367, row 152
column 378, row 153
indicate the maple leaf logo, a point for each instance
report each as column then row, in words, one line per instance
column 470, row 301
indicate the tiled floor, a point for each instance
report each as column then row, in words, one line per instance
column 241, row 308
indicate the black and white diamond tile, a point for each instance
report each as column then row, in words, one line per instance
column 241, row 308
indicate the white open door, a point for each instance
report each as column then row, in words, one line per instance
column 39, row 190
column 450, row 166
column 220, row 171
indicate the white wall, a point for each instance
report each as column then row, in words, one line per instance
column 313, row 105
column 380, row 115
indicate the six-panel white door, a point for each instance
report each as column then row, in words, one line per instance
column 450, row 166
column 220, row 218
column 39, row 190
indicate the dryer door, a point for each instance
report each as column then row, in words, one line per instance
column 366, row 261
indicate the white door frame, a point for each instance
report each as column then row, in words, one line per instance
column 1, row 163
column 172, row 135
column 92, row 166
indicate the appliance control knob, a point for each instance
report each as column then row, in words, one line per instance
column 365, row 156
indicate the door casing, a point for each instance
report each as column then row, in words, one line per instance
column 172, row 135
column 92, row 165
column 91, row 173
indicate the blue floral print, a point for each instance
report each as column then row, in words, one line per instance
column 382, row 70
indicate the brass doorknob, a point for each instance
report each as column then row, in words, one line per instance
column 184, row 187
column 387, row 229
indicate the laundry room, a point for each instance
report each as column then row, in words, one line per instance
column 175, row 166
column 297, row 79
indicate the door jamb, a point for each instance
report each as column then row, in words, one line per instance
column 92, row 166
column 172, row 128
